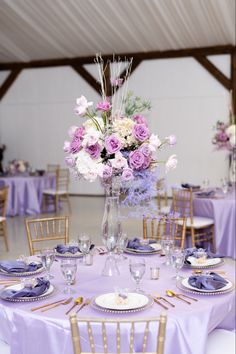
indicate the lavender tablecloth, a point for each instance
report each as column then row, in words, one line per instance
column 49, row 332
column 25, row 193
column 222, row 210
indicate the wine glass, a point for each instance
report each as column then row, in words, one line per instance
column 177, row 261
column 167, row 245
column 121, row 246
column 69, row 268
column 47, row 257
column 84, row 245
column 224, row 185
column 137, row 269
column 205, row 183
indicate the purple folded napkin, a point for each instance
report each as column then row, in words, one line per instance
column 135, row 244
column 40, row 288
column 63, row 249
column 191, row 252
column 189, row 185
column 206, row 194
column 19, row 266
column 213, row 281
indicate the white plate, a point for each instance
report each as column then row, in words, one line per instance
column 18, row 287
column 108, row 301
column 23, row 274
column 156, row 248
column 188, row 286
column 207, row 263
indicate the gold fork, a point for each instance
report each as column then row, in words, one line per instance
column 87, row 302
column 159, row 297
column 66, row 302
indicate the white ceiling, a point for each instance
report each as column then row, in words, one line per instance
column 46, row 29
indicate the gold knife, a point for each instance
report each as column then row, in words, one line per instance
column 78, row 301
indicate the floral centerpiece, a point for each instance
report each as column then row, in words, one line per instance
column 115, row 141
column 18, row 166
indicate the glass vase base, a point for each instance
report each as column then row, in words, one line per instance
column 110, row 268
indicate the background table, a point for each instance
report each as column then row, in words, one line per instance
column 222, row 210
column 49, row 332
column 25, row 193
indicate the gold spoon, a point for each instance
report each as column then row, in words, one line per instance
column 66, row 302
column 87, row 302
column 171, row 293
column 78, row 301
column 159, row 297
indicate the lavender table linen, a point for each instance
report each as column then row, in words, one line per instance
column 25, row 193
column 49, row 332
column 222, row 210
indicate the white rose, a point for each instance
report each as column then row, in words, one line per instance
column 154, row 142
column 171, row 163
column 231, row 130
column 91, row 138
column 119, row 161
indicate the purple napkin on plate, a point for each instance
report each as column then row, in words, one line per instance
column 189, row 185
column 135, row 244
column 191, row 251
column 19, row 266
column 63, row 249
column 213, row 281
column 206, row 194
column 40, row 288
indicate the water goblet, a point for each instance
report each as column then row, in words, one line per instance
column 224, row 185
column 177, row 261
column 121, row 246
column 205, row 183
column 167, row 245
column 47, row 257
column 137, row 269
column 69, row 268
column 84, row 243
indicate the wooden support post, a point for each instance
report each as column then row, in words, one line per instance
column 8, row 82
column 233, row 80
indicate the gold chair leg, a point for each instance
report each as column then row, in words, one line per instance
column 4, row 225
column 68, row 202
column 57, row 203
column 193, row 236
column 213, row 238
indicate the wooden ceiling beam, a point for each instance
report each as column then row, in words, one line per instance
column 214, row 71
column 8, row 82
column 166, row 54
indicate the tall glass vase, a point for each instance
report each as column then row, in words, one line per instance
column 111, row 230
column 232, row 168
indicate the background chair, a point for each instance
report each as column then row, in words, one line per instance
column 44, row 231
column 52, row 168
column 3, row 212
column 157, row 228
column 118, row 327
column 60, row 193
column 162, row 198
column 200, row 228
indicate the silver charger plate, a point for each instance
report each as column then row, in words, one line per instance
column 143, row 253
column 68, row 255
column 22, row 274
column 48, row 293
column 96, row 307
column 199, row 292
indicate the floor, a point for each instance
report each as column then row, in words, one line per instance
column 86, row 217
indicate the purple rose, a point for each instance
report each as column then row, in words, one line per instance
column 171, row 139
column 75, row 145
column 112, row 144
column 145, row 150
column 223, row 137
column 127, row 174
column 140, row 119
column 147, row 161
column 141, row 132
column 136, row 159
column 70, row 162
column 93, row 150
column 79, row 133
column 104, row 106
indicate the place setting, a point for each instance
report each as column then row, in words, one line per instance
column 199, row 258
column 141, row 246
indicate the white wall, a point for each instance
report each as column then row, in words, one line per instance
column 37, row 111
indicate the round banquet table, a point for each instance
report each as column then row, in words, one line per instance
column 25, row 193
column 222, row 210
column 49, row 332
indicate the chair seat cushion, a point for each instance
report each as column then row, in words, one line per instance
column 2, row 218
column 165, row 210
column 54, row 192
column 221, row 341
column 198, row 222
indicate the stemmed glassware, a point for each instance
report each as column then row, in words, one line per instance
column 205, row 183
column 47, row 257
column 167, row 245
column 177, row 261
column 69, row 268
column 121, row 246
column 84, row 243
column 137, row 269
column 224, row 185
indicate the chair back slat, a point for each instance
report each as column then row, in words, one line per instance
column 3, row 201
column 183, row 202
column 121, row 326
column 52, row 168
column 46, row 229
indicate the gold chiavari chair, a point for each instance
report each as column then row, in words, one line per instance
column 44, row 230
column 157, row 228
column 162, row 198
column 52, row 168
column 60, row 193
column 200, row 228
column 3, row 212
column 119, row 326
